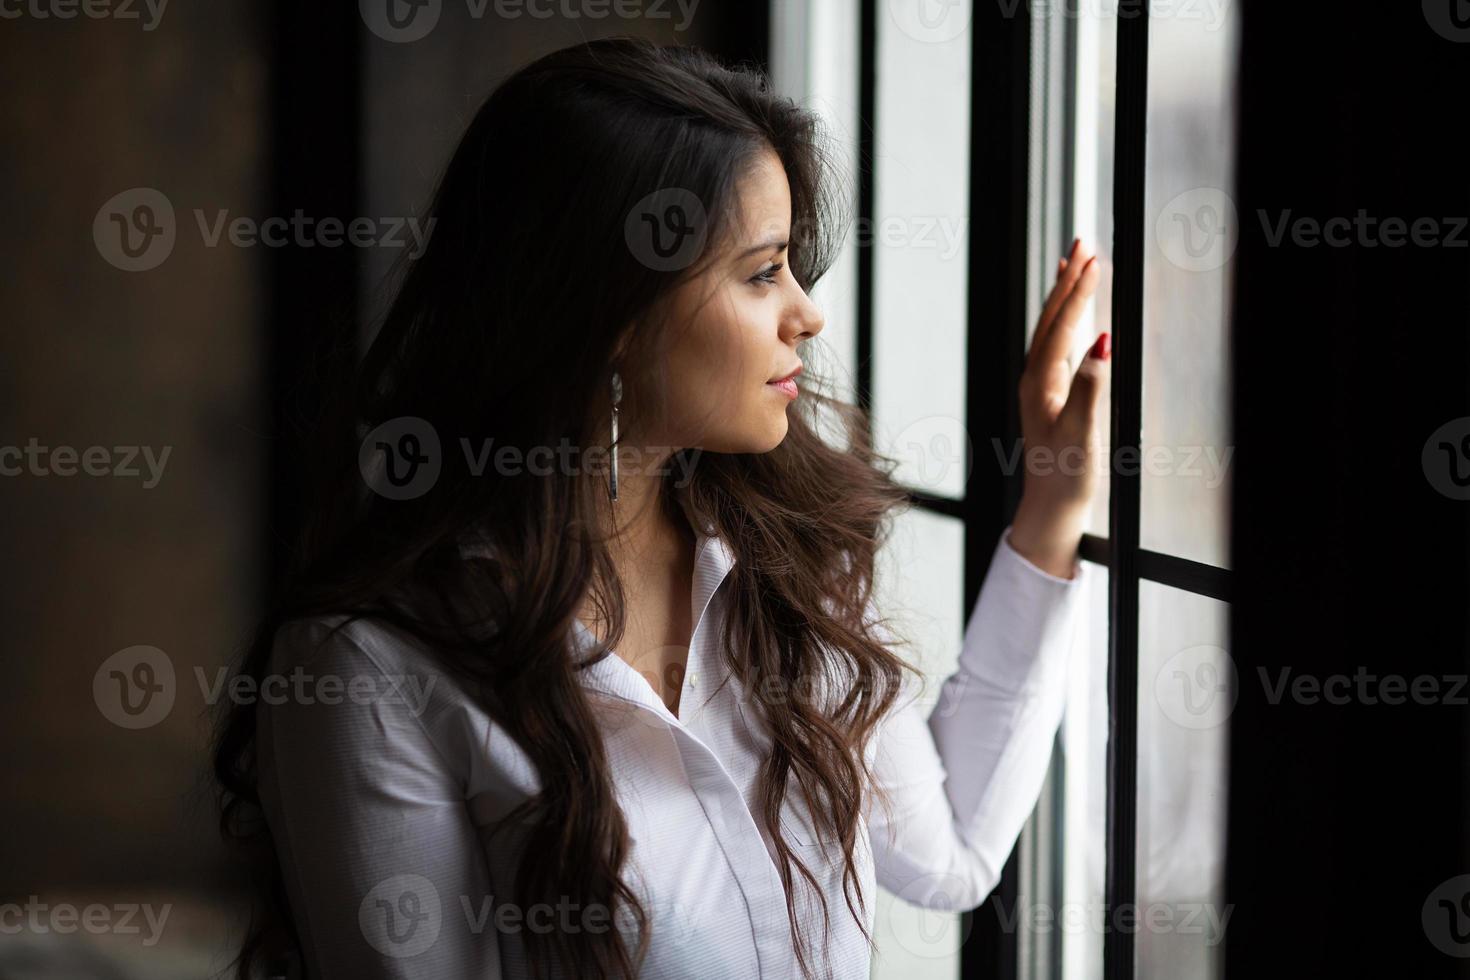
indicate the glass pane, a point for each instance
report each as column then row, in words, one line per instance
column 1092, row 190
column 919, row 235
column 1187, row 273
column 1063, row 852
column 1073, row 87
column 921, row 586
column 1186, row 691
column 814, row 60
column 1065, row 858
column 1084, row 803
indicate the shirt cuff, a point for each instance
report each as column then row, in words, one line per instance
column 1006, row 548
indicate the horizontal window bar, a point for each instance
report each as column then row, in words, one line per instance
column 1170, row 570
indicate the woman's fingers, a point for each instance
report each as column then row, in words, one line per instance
column 1067, row 274
column 1053, row 298
column 1089, row 388
column 1069, row 269
column 1060, row 335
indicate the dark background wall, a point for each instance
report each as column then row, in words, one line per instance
column 1351, row 544
column 168, row 359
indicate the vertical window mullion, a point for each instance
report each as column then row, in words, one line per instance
column 866, row 194
column 997, row 316
column 1123, row 516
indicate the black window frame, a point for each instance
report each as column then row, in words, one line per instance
column 1000, row 236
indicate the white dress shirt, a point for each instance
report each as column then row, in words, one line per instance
column 377, row 787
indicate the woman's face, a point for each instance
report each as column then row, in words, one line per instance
column 735, row 329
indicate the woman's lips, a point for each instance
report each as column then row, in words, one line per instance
column 787, row 386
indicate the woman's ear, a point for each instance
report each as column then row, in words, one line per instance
column 620, row 346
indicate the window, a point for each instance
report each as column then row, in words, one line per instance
column 982, row 138
column 1133, row 141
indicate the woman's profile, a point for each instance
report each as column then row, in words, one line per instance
column 587, row 674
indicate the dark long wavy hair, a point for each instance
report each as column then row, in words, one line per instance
column 509, row 325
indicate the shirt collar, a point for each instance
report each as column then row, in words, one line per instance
column 713, row 561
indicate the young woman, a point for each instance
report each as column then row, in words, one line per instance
column 547, row 709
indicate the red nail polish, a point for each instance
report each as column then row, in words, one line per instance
column 1102, row 348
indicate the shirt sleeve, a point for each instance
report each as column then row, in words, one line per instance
column 383, row 865
column 964, row 775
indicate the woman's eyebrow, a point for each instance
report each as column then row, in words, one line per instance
column 774, row 245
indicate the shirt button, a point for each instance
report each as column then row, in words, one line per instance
column 693, row 679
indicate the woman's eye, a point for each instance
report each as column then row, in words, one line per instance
column 768, row 275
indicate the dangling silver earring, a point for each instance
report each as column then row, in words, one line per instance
column 617, row 396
